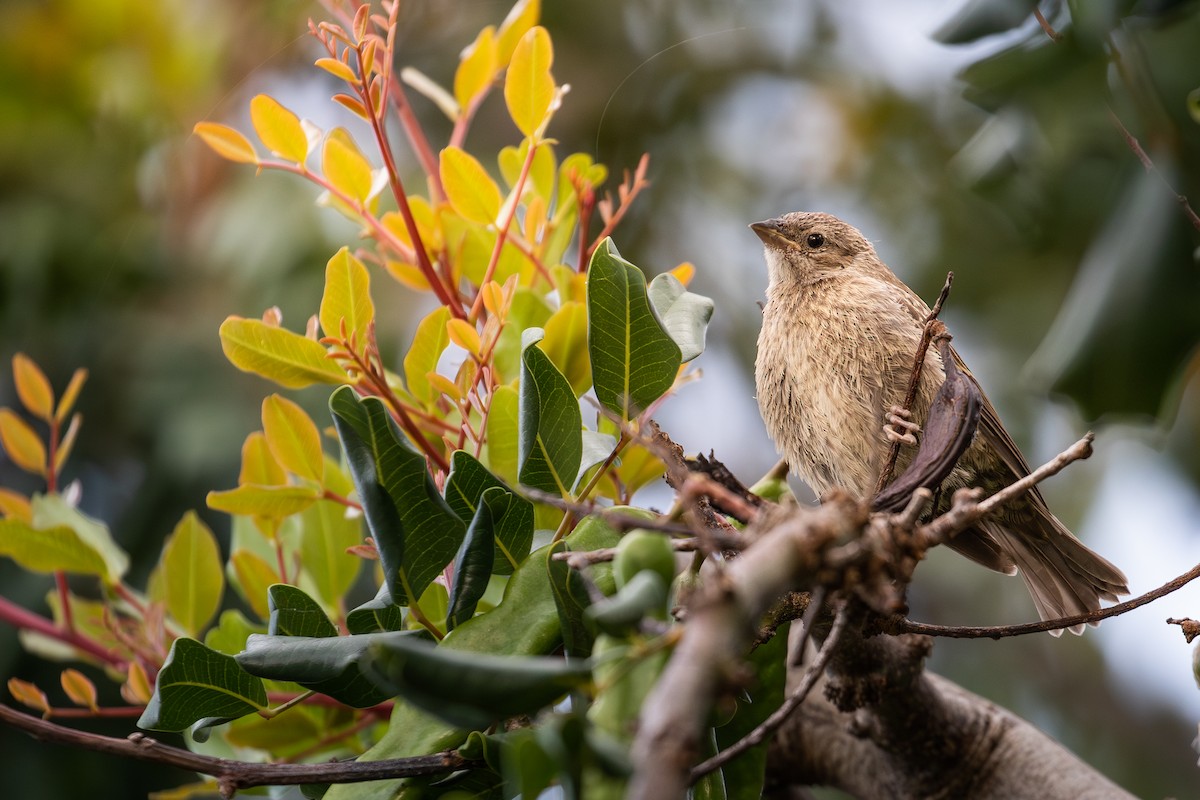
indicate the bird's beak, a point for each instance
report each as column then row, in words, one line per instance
column 770, row 231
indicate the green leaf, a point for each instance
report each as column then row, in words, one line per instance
column 277, row 354
column 264, row 501
column 683, row 314
column 529, row 86
column 503, row 431
column 470, row 690
column 571, row 601
column 415, row 530
column 980, row 18
column 326, row 533
column 329, row 665
column 551, row 444
column 230, row 633
column 253, row 577
column 428, row 344
column 528, row 310
column 347, row 298
column 511, row 515
column 189, row 573
column 294, row 613
column 473, row 564
column 634, row 361
column 566, row 344
column 48, row 550
column 469, row 188
column 196, row 682
column 51, row 510
column 293, row 438
column 378, row 614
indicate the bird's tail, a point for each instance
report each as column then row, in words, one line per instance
column 1064, row 577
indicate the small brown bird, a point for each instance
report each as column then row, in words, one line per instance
column 834, row 355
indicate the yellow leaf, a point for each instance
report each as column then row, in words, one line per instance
column 345, row 167
column 279, row 128
column 53, row 549
column 471, row 191
column 67, row 401
column 293, row 438
column 444, row 385
column 429, row 342
column 502, row 433
column 529, row 86
column 463, row 334
column 523, row 16
column 28, row 695
column 264, row 501
column 23, row 446
column 192, row 581
column 227, row 142
column 14, row 505
column 337, row 69
column 494, row 300
column 258, row 465
column 137, row 689
column 347, row 297
column 277, row 354
column 566, row 344
column 408, row 274
column 77, row 686
column 32, row 387
column 253, row 577
column 353, row 104
column 477, row 68
column 684, row 272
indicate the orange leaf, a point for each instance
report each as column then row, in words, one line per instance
column 32, row 387
column 15, row 506
column 29, row 695
column 23, row 446
column 67, row 401
column 345, row 166
column 227, row 142
column 684, row 272
column 463, row 334
column 337, row 69
column 137, row 689
column 77, row 686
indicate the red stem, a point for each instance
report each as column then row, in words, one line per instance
column 502, row 233
column 24, row 619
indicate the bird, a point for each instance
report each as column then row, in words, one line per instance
column 835, row 352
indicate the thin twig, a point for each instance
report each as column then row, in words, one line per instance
column 1046, row 26
column 1149, row 166
column 914, row 379
column 780, row 715
column 1002, row 631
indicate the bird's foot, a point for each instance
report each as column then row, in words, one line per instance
column 900, row 427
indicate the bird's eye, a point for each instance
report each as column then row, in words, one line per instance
column 815, row 240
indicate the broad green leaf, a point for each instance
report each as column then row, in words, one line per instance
column 471, row 690
column 229, row 635
column 190, row 574
column 469, row 188
column 571, row 601
column 378, row 614
column 279, row 128
column 511, row 515
column 684, row 315
column 416, row 533
column 226, row 142
column 541, row 172
column 258, row 464
column 566, row 344
column 252, row 578
column 529, row 86
column 427, row 347
column 32, row 387
column 473, row 564
column 277, row 354
column 634, row 361
column 264, row 501
column 294, row 613
column 48, row 550
column 472, row 244
column 24, row 447
column 326, row 534
column 326, row 665
column 345, row 167
column 52, row 510
column 476, row 69
column 503, row 433
column 196, row 682
column 293, row 438
column 550, row 442
column 347, row 298
column 521, row 17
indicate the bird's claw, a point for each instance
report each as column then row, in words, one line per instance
column 900, row 419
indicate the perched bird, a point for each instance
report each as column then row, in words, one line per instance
column 835, row 352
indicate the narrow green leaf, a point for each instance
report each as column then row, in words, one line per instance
column 571, row 601
column 979, row 18
column 197, row 682
column 551, row 444
column 415, row 530
column 503, row 431
column 326, row 534
column 512, row 515
column 51, row 510
column 277, row 354
column 191, row 575
column 473, row 564
column 428, row 344
column 378, row 614
column 684, row 315
column 264, row 501
column 294, row 613
column 347, row 297
column 634, row 361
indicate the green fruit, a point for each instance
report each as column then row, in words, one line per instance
column 642, row 549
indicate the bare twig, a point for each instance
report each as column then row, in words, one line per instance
column 1046, row 26
column 1003, row 631
column 233, row 775
column 779, row 715
column 1148, row 165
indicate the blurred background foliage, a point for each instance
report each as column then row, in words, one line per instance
column 993, row 152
